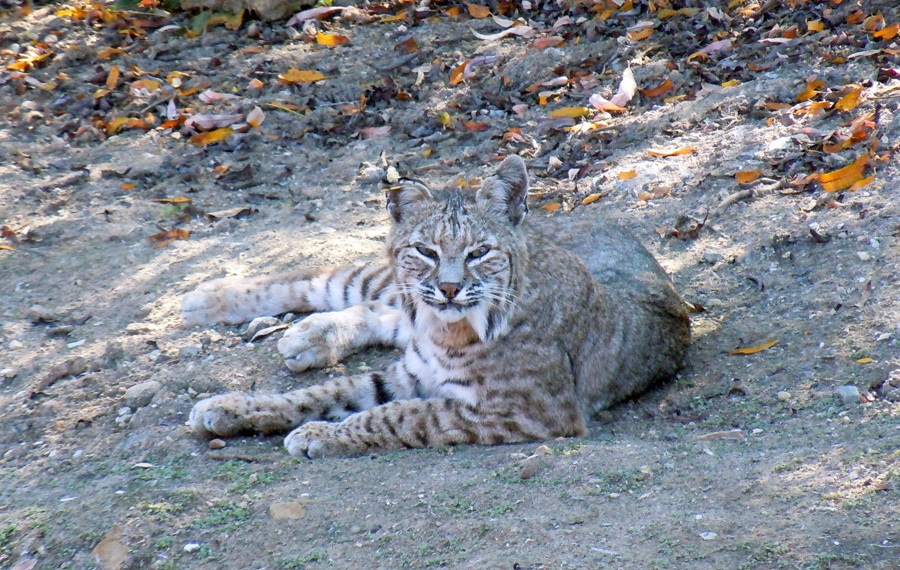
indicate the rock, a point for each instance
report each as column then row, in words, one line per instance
column 191, row 547
column 712, row 256
column 141, row 394
column 784, row 396
column 8, row 373
column 863, row 256
column 286, row 511
column 124, row 411
column 40, row 314
column 258, row 324
column 138, row 328
column 216, row 443
column 15, row 345
column 186, row 352
column 848, row 394
column 890, row 389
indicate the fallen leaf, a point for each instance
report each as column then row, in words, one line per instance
column 860, row 183
column 204, row 122
column 815, row 25
column 811, row 90
column 731, row 83
column 551, row 207
column 113, row 78
column 255, row 84
column 407, row 46
column 267, row 331
column 165, row 237
column 591, row 198
column 369, row 132
column 843, row 178
column 666, row 153
column 643, row 33
column 399, row 17
column 887, row 33
column 523, row 31
column 865, row 360
column 628, row 174
column 328, row 39
column 234, row 213
column 851, row 100
column 120, row 123
column 255, row 117
column 127, row 186
column 753, row 349
column 728, row 434
column 294, row 75
column 456, row 75
column 107, row 53
column 210, row 137
column 573, row 112
column 477, row 11
column 544, row 43
column 475, row 126
column 319, row 13
column 6, row 247
column 110, row 553
column 173, row 200
column 747, row 176
column 659, row 90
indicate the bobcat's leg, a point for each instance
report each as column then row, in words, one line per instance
column 422, row 423
column 326, row 338
column 236, row 413
column 237, row 300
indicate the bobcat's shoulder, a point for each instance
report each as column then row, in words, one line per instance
column 508, row 337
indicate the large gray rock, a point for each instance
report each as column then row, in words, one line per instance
column 141, row 394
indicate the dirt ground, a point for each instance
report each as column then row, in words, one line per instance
column 741, row 462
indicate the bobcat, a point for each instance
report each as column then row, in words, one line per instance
column 508, row 338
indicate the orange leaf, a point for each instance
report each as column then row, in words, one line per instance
column 544, row 43
column 331, row 40
column 164, row 238
column 255, row 84
column 395, row 18
column 775, row 106
column 475, row 126
column 815, row 25
column 665, row 153
column 173, row 200
column 572, row 112
column 113, row 78
column 5, row 247
column 453, row 11
column 855, row 17
column 128, row 186
column 477, row 11
column 860, row 183
column 109, row 52
column 120, row 123
column 888, row 33
column 627, row 174
column 851, row 100
column 747, row 176
column 659, row 90
column 866, row 360
column 753, row 349
column 456, row 76
column 731, row 83
column 551, row 207
column 294, row 75
column 210, row 137
column 590, row 199
column 643, row 33
column 811, row 90
column 873, row 23
column 844, row 178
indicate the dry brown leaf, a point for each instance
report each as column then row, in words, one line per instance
column 815, row 25
column 643, row 33
column 811, row 90
column 747, row 176
column 659, row 90
column 113, row 78
column 165, row 237
column 294, row 75
column 110, row 553
column 331, row 40
column 369, row 132
column 120, row 123
column 255, row 84
column 256, row 117
column 173, row 200
column 399, row 17
column 851, row 100
column 887, row 33
column 573, row 112
column 628, row 174
column 591, row 198
column 477, row 11
column 456, row 76
column 475, row 126
column 860, row 183
column 551, row 207
column 544, row 43
column 107, row 53
column 873, row 23
column 666, row 153
column 128, row 186
column 6, row 247
column 753, row 349
column 210, row 137
column 844, row 178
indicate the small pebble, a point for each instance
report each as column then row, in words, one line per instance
column 848, row 394
column 784, row 396
column 863, row 256
column 216, row 443
column 15, row 345
column 191, row 547
column 141, row 394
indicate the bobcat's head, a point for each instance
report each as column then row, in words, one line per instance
column 461, row 255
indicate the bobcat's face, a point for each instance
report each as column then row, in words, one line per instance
column 459, row 256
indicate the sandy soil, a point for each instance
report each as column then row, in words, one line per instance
column 742, row 461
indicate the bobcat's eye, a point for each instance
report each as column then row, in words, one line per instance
column 429, row 253
column 480, row 252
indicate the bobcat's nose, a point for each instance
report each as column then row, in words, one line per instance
column 450, row 290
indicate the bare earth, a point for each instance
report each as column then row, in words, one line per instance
column 742, row 461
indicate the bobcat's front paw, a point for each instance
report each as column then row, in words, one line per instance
column 220, row 415
column 317, row 439
column 314, row 342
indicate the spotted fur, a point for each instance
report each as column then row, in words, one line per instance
column 507, row 337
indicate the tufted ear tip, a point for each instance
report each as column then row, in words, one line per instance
column 506, row 191
column 403, row 195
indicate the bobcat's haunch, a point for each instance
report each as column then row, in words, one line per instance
column 507, row 337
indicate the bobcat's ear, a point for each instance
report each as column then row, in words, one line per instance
column 506, row 192
column 405, row 194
